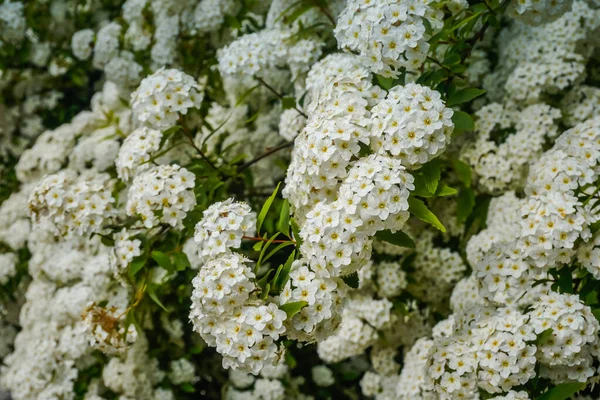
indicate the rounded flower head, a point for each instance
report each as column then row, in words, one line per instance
column 73, row 204
column 222, row 227
column 163, row 194
column 163, row 96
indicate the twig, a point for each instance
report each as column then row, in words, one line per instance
column 276, row 93
column 188, row 134
column 326, row 12
column 265, row 155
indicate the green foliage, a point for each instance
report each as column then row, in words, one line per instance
column 293, row 308
column 420, row 210
column 398, row 238
column 563, row 391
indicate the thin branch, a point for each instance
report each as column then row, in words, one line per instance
column 276, row 93
column 326, row 12
column 188, row 134
column 265, row 155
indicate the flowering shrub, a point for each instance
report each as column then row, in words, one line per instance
column 313, row 199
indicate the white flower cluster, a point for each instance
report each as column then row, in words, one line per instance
column 136, row 151
column 223, row 226
column 82, row 43
column 12, row 22
column 125, row 250
column 567, row 353
column 489, row 350
column 533, row 12
column 389, row 34
column 545, row 59
column 72, row 204
column 504, row 166
column 164, row 96
column 291, row 124
column 162, row 194
column 412, row 124
column 373, row 197
column 320, row 316
column 228, row 315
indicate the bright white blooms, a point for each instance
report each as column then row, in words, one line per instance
column 163, row 96
column 136, row 151
column 162, row 194
column 222, row 227
column 72, row 204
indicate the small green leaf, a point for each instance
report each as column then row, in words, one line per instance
column 187, row 387
column 288, row 102
column 276, row 249
column 181, row 261
column 432, row 173
column 445, row 190
column 463, row 171
column 384, row 83
column 462, row 122
column 265, row 208
column 163, row 260
column 265, row 292
column 296, row 232
column 351, row 280
column 464, row 96
column 596, row 313
column 258, row 245
column 293, row 308
column 419, row 209
column 155, row 298
column 284, row 218
column 397, row 238
column 541, row 338
column 263, row 251
column 136, row 265
column 290, row 360
column 285, row 272
column 562, row 391
column 466, row 202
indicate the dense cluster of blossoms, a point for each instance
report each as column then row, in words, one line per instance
column 163, row 194
column 391, row 35
column 226, row 309
column 71, row 204
column 164, row 96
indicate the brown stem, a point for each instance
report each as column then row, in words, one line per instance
column 188, row 134
column 276, row 93
column 265, row 155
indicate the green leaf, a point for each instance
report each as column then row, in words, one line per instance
column 565, row 280
column 397, row 238
column 466, row 202
column 463, row 171
column 562, row 391
column 432, row 173
column 264, row 249
column 265, row 208
column 284, row 218
column 258, row 245
column 181, row 261
column 288, row 102
column 541, row 338
column 290, row 360
column 351, row 280
column 293, row 308
column 187, row 387
column 276, row 249
column 285, row 271
column 265, row 292
column 162, row 259
column 419, row 209
column 596, row 313
column 155, row 298
column 384, row 83
column 445, row 190
column 136, row 265
column 296, row 232
column 464, row 96
column 462, row 122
